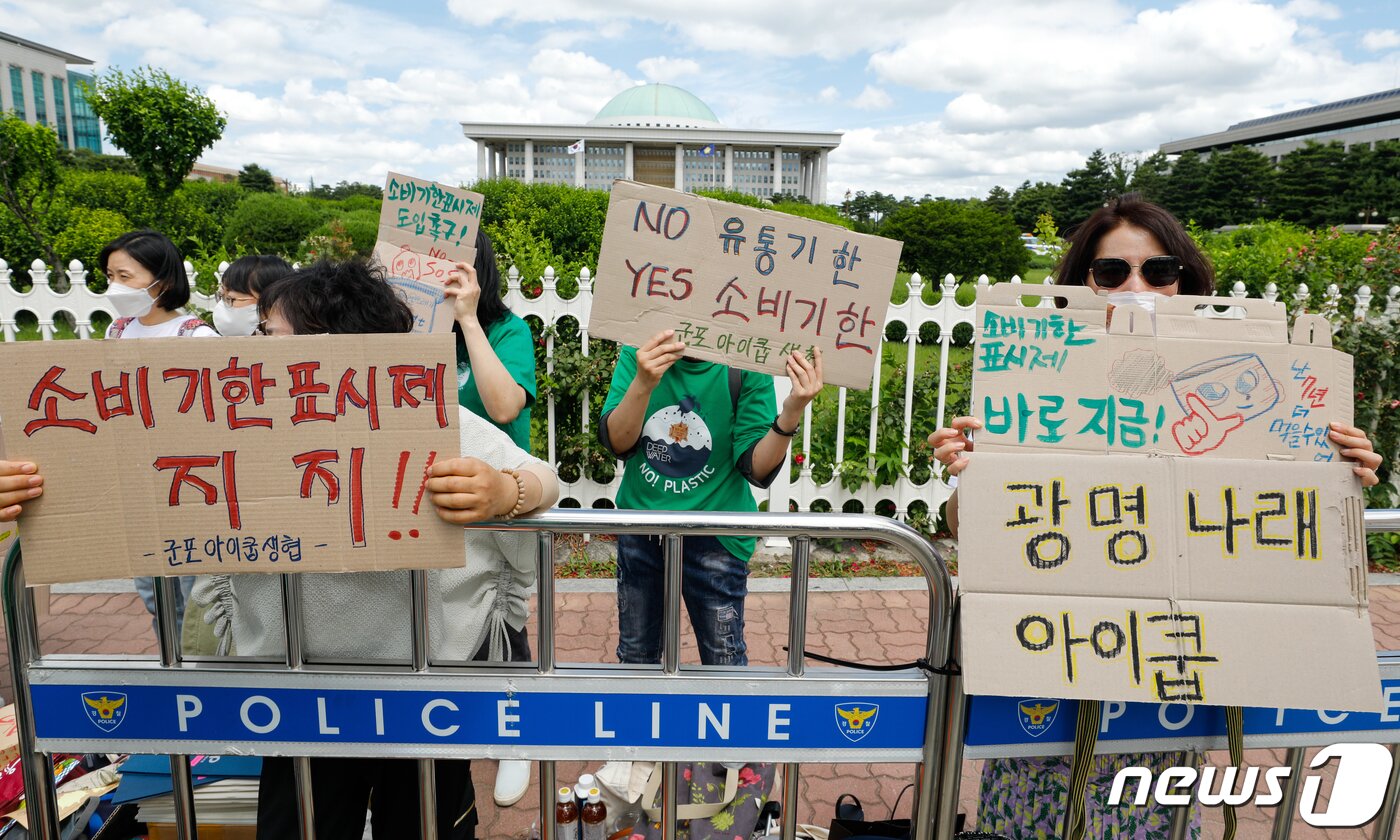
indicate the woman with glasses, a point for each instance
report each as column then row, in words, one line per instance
column 236, row 308
column 1130, row 251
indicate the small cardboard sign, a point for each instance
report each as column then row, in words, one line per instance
column 740, row 285
column 424, row 228
column 419, row 280
column 1154, row 511
column 177, row 457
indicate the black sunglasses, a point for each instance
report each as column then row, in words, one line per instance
column 1112, row 272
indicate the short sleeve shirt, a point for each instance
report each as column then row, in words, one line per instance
column 510, row 337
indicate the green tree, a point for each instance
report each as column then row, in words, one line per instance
column 1150, row 177
column 345, row 189
column 947, row 237
column 1311, row 182
column 1085, row 189
column 999, row 199
column 161, row 123
column 1239, row 184
column 90, row 161
column 256, row 179
column 869, row 209
column 1120, row 172
column 29, row 176
column 1184, row 193
column 1029, row 202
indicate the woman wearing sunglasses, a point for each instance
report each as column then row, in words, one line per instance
column 1129, row 251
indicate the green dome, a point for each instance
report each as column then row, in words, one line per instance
column 656, row 106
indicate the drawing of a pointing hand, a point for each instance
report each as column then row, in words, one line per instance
column 1201, row 430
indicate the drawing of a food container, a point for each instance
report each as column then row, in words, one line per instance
column 1238, row 384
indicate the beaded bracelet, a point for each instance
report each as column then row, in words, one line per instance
column 520, row 494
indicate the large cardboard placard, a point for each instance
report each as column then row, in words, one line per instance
column 1154, row 511
column 424, row 228
column 741, row 285
column 176, row 457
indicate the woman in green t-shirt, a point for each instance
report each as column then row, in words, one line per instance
column 496, row 381
column 495, row 351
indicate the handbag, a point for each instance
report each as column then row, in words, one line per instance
column 850, row 822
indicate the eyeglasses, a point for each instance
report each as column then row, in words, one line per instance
column 1112, row 272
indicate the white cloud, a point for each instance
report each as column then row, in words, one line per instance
column 1312, row 9
column 872, row 99
column 1381, row 39
column 664, row 69
column 829, row 95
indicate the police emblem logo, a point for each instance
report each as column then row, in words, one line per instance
column 855, row 720
column 106, row 709
column 1037, row 714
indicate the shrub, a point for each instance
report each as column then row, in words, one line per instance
column 270, row 223
column 114, row 191
column 946, row 237
column 87, row 232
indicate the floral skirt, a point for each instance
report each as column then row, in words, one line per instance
column 1024, row 799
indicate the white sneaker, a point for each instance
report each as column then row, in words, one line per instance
column 512, row 780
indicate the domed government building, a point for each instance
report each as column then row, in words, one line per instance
column 657, row 134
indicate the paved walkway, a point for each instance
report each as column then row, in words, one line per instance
column 876, row 625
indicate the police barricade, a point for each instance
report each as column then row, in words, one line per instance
column 543, row 711
column 1024, row 727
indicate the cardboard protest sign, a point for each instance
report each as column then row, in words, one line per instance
column 171, row 457
column 741, row 285
column 424, row 228
column 1154, row 512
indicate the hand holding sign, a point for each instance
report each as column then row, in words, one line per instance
column 656, row 357
column 468, row 490
column 465, row 291
column 806, row 378
column 1200, row 430
column 19, row 482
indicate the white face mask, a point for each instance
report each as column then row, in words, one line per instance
column 235, row 320
column 129, row 302
column 1147, row 300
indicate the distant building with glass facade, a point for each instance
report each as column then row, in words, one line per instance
column 40, row 88
column 657, row 134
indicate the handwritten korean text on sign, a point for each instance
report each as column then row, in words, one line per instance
column 1092, row 571
column 740, row 285
column 168, row 456
column 424, row 228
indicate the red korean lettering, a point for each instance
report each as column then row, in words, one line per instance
column 184, row 466
column 347, row 392
column 406, row 378
column 196, row 387
column 122, row 393
column 314, row 468
column 240, row 384
column 49, row 383
column 305, row 389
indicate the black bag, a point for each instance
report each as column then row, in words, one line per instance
column 850, row 822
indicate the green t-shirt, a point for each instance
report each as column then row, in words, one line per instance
column 688, row 453
column 510, row 338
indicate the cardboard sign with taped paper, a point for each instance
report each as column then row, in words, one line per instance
column 424, row 228
column 1154, row 511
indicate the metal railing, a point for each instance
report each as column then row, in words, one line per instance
column 47, row 688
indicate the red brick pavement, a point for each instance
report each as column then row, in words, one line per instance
column 877, row 626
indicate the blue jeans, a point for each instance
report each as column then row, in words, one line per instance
column 713, row 585
column 146, row 588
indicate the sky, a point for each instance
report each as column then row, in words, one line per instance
column 933, row 97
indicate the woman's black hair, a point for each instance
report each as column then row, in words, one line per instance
column 1197, row 275
column 157, row 254
column 338, row 298
column 250, row 275
column 490, row 307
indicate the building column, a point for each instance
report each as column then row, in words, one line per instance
column 820, row 189
column 807, row 163
column 68, row 110
column 503, row 164
column 729, row 167
column 481, row 172
column 529, row 161
column 777, row 169
column 491, row 162
column 680, row 166
column 578, row 165
column 628, row 170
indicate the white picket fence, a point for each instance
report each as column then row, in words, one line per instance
column 66, row 295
